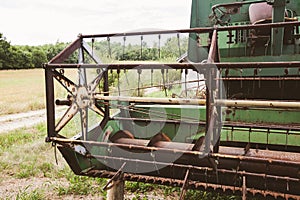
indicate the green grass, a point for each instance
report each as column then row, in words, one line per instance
column 31, row 195
column 24, row 152
column 81, row 185
column 25, row 156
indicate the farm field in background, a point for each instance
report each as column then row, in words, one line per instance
column 21, row 90
column 24, row 90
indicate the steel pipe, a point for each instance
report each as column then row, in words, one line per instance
column 173, row 121
column 194, row 30
column 228, row 103
column 260, row 79
column 258, row 104
column 152, row 100
column 193, row 66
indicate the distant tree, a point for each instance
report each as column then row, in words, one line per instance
column 17, row 57
column 4, row 52
column 52, row 50
column 172, row 49
column 39, row 57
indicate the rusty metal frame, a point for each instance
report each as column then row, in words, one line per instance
column 266, row 161
column 62, row 56
column 222, row 154
column 222, row 189
column 193, row 66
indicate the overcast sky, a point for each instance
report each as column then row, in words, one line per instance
column 37, row 22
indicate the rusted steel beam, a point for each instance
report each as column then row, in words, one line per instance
column 63, row 55
column 263, row 156
column 192, row 167
column 193, row 66
column 213, row 112
column 184, row 185
column 212, row 54
column 195, row 185
column 106, row 107
column 50, row 103
column 115, row 177
column 260, row 79
column 257, row 180
column 195, row 30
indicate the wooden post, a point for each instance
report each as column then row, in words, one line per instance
column 116, row 192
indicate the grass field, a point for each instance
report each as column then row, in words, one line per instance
column 24, row 90
column 21, row 90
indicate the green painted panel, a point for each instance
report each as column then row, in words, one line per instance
column 294, row 140
column 274, row 137
column 262, row 116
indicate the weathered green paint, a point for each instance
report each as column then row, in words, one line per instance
column 238, row 46
column 277, row 33
column 261, row 137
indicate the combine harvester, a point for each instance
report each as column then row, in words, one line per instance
column 242, row 138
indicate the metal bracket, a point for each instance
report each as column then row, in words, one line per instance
column 185, row 184
column 115, row 177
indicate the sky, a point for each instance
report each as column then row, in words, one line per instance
column 38, row 22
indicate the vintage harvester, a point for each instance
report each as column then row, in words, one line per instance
column 241, row 136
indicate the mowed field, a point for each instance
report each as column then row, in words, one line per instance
column 21, row 90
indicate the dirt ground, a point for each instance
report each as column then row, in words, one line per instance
column 20, row 120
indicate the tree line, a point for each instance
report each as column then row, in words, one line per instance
column 27, row 57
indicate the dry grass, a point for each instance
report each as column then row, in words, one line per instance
column 24, row 90
column 21, row 90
